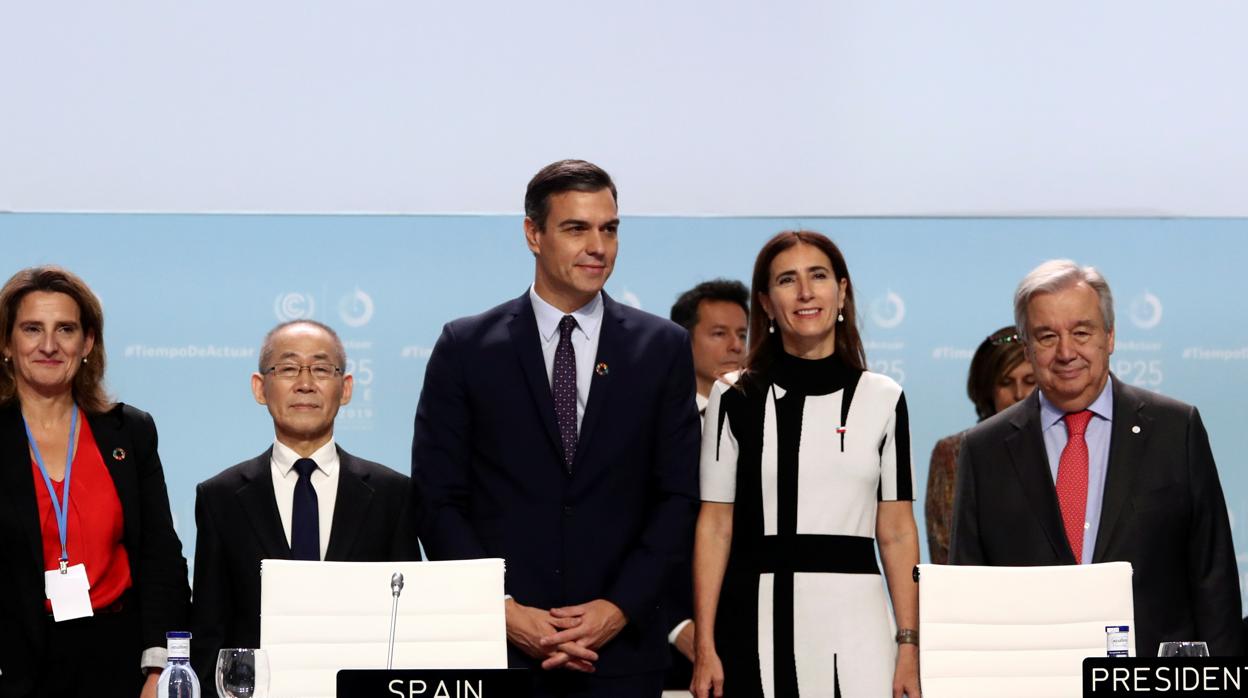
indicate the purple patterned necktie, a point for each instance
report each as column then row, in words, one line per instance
column 563, row 387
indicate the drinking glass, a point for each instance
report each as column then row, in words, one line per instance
column 1183, row 649
column 242, row 673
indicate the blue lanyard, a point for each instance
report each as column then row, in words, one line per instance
column 61, row 508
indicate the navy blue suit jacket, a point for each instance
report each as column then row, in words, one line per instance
column 487, row 462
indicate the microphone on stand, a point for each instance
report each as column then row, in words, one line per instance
column 396, row 586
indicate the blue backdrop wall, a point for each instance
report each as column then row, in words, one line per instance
column 188, row 297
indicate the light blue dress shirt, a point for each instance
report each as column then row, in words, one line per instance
column 584, row 342
column 1097, row 438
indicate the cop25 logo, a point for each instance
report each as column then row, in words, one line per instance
column 888, row 310
column 1145, row 311
column 356, row 308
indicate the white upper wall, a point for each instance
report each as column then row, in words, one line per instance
column 725, row 108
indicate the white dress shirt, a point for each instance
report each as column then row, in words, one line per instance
column 584, row 342
column 324, row 482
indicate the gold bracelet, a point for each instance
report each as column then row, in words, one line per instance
column 907, row 636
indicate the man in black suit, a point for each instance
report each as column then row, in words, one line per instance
column 558, row 432
column 1088, row 469
column 303, row 498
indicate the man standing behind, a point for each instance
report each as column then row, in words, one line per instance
column 558, row 431
column 302, row 499
column 1088, row 469
column 715, row 315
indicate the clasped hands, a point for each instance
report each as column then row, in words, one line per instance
column 564, row 637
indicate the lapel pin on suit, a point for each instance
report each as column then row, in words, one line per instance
column 1135, row 429
column 119, row 454
column 602, row 369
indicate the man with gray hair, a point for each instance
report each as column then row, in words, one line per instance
column 304, row 498
column 1089, row 469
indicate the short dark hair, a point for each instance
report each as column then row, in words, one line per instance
column 266, row 347
column 88, row 385
column 999, row 353
column 561, row 176
column 685, row 309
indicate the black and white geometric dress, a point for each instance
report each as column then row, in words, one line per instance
column 805, row 452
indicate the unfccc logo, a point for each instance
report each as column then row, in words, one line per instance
column 888, row 310
column 1146, row 311
column 293, row 306
column 356, row 309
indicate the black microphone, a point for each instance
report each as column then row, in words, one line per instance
column 396, row 586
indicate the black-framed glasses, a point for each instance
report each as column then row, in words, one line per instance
column 289, row 370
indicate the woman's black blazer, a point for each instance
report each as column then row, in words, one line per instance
column 160, row 595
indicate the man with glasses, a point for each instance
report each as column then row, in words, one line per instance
column 304, row 498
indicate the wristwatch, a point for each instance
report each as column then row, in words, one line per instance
column 907, row 636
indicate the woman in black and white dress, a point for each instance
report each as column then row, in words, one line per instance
column 805, row 469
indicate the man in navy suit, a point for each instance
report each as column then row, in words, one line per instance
column 558, row 431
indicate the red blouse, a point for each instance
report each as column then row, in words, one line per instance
column 95, row 523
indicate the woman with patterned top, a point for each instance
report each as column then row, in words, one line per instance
column 805, row 470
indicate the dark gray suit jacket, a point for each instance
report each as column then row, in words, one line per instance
column 237, row 526
column 1162, row 511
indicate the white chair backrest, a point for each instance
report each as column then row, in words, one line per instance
column 1017, row 631
column 319, row 617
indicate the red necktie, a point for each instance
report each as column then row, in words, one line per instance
column 1072, row 480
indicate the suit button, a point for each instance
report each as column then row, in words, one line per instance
column 567, row 511
column 558, row 571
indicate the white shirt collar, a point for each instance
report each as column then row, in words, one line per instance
column 326, row 458
column 587, row 316
column 702, row 402
column 1102, row 406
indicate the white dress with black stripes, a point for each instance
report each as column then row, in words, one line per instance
column 805, row 452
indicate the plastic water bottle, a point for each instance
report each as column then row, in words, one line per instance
column 178, row 680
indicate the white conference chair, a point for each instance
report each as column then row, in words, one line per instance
column 319, row 617
column 1017, row 631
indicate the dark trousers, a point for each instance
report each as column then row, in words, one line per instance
column 680, row 674
column 562, row 683
column 96, row 656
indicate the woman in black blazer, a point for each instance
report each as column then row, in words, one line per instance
column 57, row 425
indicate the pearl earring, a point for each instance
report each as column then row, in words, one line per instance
column 771, row 326
column 840, row 317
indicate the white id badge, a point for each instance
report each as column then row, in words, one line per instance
column 70, row 593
